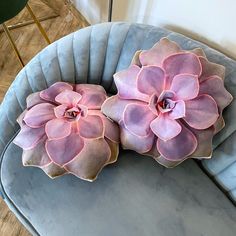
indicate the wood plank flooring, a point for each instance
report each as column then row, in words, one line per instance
column 29, row 42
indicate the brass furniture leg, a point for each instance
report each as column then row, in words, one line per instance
column 38, row 23
column 6, row 30
column 29, row 22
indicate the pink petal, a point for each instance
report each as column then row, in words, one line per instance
column 39, row 115
column 91, row 127
column 185, row 86
column 181, row 63
column 165, row 128
column 68, row 97
column 114, row 107
column 65, row 149
column 36, row 156
column 159, row 52
column 140, row 144
column 179, row 147
column 60, row 110
column 50, row 93
column 201, row 112
column 178, row 111
column 137, row 119
column 93, row 100
column 53, row 170
column 214, row 86
column 153, row 152
column 83, row 88
column 28, row 138
column 34, row 99
column 57, row 128
column 209, row 69
column 126, row 82
column 90, row 161
column 151, row 80
column 92, row 95
column 111, row 128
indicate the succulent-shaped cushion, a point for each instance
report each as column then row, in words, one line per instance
column 64, row 131
column 169, row 103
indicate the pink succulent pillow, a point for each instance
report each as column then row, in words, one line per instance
column 169, row 103
column 63, row 131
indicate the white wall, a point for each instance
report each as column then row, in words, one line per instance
column 209, row 21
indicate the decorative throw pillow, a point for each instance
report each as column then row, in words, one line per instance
column 63, row 131
column 169, row 103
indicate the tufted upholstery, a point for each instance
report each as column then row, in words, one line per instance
column 93, row 55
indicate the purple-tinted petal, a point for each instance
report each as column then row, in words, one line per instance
column 111, row 128
column 91, row 127
column 151, row 80
column 153, row 104
column 82, row 88
column 185, row 86
column 93, row 100
column 214, row 86
column 178, row 111
column 28, row 138
column 36, row 156
column 210, row 68
column 201, row 112
column 50, row 93
column 68, row 97
column 179, row 147
column 92, row 95
column 114, row 107
column 159, row 52
column 165, row 128
column 126, row 83
column 60, row 110
column 90, row 161
column 153, row 152
column 39, row 115
column 57, row 128
column 65, row 149
column 140, row 144
column 181, row 63
column 137, row 119
column 34, row 99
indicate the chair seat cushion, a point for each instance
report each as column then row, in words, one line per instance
column 135, row 196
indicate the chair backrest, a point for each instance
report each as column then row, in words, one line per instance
column 93, row 55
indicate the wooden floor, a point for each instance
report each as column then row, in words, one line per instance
column 29, row 41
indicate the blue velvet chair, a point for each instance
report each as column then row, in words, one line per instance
column 135, row 196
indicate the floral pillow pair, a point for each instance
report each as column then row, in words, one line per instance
column 168, row 106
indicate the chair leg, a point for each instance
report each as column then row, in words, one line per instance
column 6, row 30
column 38, row 23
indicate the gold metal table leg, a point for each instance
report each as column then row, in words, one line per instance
column 6, row 30
column 38, row 23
